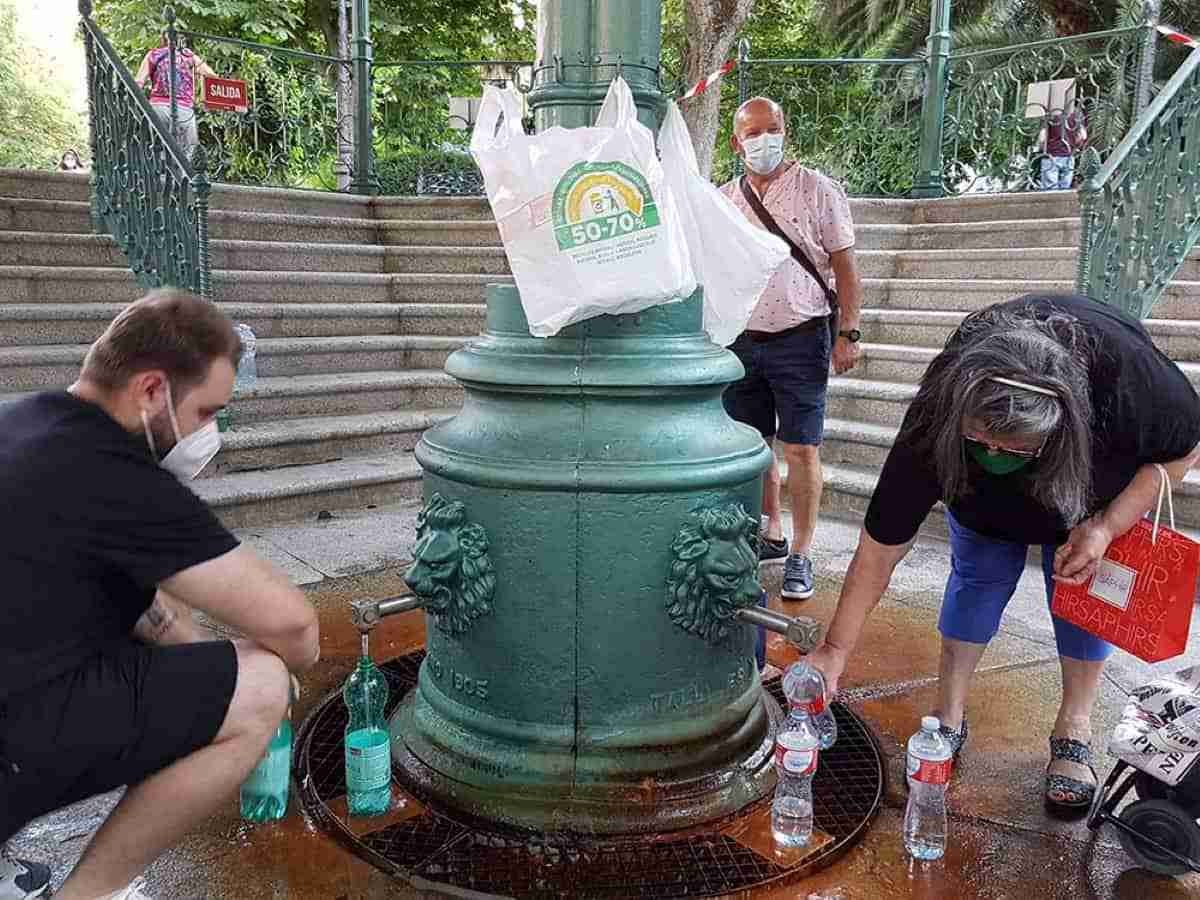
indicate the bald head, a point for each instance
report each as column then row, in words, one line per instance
column 758, row 115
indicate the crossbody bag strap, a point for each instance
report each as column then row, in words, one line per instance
column 772, row 226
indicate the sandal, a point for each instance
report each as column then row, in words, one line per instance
column 1079, row 794
column 956, row 739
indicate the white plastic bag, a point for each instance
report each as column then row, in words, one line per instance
column 587, row 219
column 1159, row 731
column 733, row 258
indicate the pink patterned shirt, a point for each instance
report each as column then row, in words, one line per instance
column 814, row 212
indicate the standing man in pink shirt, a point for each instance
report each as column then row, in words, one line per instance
column 788, row 345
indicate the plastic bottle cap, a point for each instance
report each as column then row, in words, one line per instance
column 930, row 723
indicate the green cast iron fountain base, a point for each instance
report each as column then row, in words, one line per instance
column 726, row 773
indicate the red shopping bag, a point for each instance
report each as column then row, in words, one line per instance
column 1142, row 593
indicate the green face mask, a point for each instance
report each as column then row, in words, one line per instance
column 998, row 463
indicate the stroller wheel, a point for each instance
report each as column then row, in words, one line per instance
column 1170, row 826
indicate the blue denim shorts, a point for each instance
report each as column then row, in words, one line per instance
column 983, row 576
column 785, row 382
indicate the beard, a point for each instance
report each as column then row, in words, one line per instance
column 163, row 433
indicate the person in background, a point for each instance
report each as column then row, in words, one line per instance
column 1063, row 135
column 106, row 679
column 188, row 67
column 70, row 162
column 1041, row 423
column 786, row 348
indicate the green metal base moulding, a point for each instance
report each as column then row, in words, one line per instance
column 590, row 533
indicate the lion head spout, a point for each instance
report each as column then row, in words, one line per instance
column 451, row 571
column 714, row 572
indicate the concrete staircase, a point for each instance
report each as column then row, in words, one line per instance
column 357, row 303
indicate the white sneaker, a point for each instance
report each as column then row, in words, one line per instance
column 21, row 879
column 135, row 891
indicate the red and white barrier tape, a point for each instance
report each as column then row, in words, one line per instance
column 1178, row 37
column 712, row 78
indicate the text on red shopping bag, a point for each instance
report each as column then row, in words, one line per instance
column 1142, row 593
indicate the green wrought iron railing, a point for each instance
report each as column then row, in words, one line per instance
column 424, row 111
column 145, row 194
column 857, row 120
column 1140, row 211
column 298, row 128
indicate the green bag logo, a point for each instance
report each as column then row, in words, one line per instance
column 600, row 201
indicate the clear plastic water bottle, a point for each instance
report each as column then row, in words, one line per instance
column 245, row 380
column 929, row 763
column 368, row 744
column 264, row 793
column 797, row 748
column 804, row 684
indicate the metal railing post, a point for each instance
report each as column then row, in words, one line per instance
column 365, row 180
column 928, row 180
column 743, row 68
column 89, row 49
column 172, row 44
column 1147, row 45
column 201, row 188
column 1089, row 198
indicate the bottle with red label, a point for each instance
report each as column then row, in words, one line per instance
column 804, row 684
column 929, row 763
column 797, row 748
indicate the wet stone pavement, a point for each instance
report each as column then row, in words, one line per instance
column 1002, row 844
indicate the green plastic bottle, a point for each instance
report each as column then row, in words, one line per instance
column 264, row 793
column 368, row 747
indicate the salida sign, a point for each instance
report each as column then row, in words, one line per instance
column 225, row 93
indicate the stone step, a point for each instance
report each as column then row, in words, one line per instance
column 289, row 226
column 875, row 402
column 242, row 198
column 1047, row 263
column 439, row 232
column 316, row 439
column 1179, row 301
column 997, row 208
column 99, row 284
column 50, row 367
column 339, row 393
column 448, row 260
column 856, row 443
column 247, row 499
column 387, row 209
column 969, row 235
column 35, row 184
column 343, row 393
column 59, row 216
column 77, row 323
column 1178, row 339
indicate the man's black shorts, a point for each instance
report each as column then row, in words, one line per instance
column 124, row 715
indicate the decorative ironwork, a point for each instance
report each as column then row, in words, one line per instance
column 298, row 128
column 1000, row 105
column 1141, row 211
column 451, row 572
column 424, row 113
column 714, row 571
column 856, row 120
column 144, row 193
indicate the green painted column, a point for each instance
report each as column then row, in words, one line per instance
column 365, row 180
column 928, row 182
column 582, row 44
column 589, row 534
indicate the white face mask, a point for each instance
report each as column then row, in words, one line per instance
column 190, row 454
column 764, row 153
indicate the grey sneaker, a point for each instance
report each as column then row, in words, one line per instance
column 21, row 879
column 769, row 549
column 797, row 578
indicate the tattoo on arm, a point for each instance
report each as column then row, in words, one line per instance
column 156, row 621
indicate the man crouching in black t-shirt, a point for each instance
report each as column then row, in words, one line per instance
column 105, row 679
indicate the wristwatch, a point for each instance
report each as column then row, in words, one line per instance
column 853, row 335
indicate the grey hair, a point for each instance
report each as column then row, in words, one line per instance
column 1050, row 351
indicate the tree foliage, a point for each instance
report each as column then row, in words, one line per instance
column 36, row 120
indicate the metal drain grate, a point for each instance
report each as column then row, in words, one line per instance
column 440, row 847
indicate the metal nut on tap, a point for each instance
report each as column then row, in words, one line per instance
column 365, row 614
